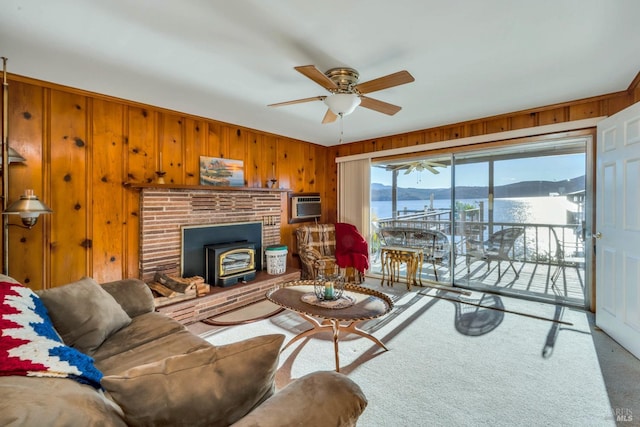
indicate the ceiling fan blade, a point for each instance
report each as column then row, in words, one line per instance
column 432, row 170
column 329, row 117
column 435, row 164
column 317, row 76
column 379, row 106
column 409, row 170
column 395, row 79
column 298, row 101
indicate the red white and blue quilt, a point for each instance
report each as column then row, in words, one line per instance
column 29, row 344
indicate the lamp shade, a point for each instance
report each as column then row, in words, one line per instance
column 13, row 156
column 342, row 104
column 29, row 207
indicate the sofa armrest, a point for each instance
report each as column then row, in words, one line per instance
column 133, row 295
column 316, row 400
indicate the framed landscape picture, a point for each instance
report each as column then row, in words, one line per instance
column 221, row 172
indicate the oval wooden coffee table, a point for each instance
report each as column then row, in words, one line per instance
column 367, row 304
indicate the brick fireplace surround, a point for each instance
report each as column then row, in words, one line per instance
column 165, row 209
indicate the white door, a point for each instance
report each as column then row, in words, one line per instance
column 618, row 228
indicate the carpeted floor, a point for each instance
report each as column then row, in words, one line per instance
column 454, row 364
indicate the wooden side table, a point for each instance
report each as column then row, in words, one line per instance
column 392, row 258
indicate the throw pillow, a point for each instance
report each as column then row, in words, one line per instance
column 84, row 314
column 210, row 387
column 30, row 346
column 133, row 295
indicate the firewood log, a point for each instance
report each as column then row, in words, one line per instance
column 170, row 283
column 162, row 290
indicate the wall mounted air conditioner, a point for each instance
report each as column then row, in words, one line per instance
column 304, row 207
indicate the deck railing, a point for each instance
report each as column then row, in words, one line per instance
column 541, row 243
column 541, row 255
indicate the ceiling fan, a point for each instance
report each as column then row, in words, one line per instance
column 347, row 93
column 418, row 165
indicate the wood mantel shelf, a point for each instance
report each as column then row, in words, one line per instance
column 203, row 187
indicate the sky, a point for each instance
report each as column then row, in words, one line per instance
column 549, row 168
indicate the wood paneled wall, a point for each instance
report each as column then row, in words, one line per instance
column 81, row 149
column 604, row 105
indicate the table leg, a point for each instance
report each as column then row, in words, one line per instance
column 383, row 262
column 336, row 333
column 395, row 267
column 352, row 328
column 335, row 327
column 409, row 262
column 316, row 327
column 412, row 269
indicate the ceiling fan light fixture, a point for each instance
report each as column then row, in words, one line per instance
column 342, row 104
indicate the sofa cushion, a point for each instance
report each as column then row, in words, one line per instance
column 180, row 342
column 29, row 401
column 30, row 346
column 133, row 295
column 142, row 329
column 213, row 387
column 328, row 398
column 84, row 313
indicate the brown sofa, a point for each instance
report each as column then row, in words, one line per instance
column 156, row 372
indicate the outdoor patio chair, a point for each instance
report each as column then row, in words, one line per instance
column 496, row 248
column 559, row 258
column 433, row 243
column 392, row 236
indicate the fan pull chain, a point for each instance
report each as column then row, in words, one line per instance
column 341, row 128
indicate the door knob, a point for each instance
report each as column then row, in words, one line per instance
column 598, row 235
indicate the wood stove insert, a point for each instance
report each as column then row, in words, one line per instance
column 229, row 263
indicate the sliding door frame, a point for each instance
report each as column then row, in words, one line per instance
column 546, row 133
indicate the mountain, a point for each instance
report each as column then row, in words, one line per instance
column 381, row 192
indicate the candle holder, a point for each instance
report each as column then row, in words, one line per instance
column 160, row 179
column 330, row 287
column 273, row 183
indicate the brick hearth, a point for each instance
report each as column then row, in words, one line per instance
column 221, row 300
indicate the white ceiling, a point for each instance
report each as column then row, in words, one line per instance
column 227, row 60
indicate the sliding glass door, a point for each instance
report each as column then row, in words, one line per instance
column 524, row 232
column 514, row 217
column 411, row 207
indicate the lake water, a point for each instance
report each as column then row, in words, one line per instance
column 532, row 210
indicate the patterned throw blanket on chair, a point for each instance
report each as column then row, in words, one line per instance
column 29, row 344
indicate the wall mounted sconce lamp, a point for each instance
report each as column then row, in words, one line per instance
column 14, row 157
column 29, row 207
